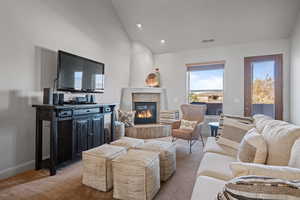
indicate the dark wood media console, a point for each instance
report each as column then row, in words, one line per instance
column 73, row 129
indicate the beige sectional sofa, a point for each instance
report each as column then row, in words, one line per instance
column 216, row 166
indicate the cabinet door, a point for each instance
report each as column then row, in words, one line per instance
column 81, row 132
column 97, row 131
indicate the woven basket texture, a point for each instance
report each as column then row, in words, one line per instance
column 148, row 131
column 167, row 156
column 136, row 175
column 97, row 166
column 128, row 142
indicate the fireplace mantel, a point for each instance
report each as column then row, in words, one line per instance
column 127, row 97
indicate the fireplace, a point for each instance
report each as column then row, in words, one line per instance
column 145, row 112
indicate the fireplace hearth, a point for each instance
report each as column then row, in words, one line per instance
column 146, row 112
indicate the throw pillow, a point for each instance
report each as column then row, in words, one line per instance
column 260, row 187
column 233, row 129
column 295, row 155
column 253, row 148
column 280, row 140
column 188, row 125
column 283, row 172
column 127, row 117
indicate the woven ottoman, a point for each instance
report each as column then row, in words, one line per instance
column 128, row 142
column 167, row 156
column 136, row 175
column 97, row 166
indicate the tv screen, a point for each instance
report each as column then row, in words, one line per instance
column 78, row 74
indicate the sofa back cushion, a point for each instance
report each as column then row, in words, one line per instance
column 295, row 155
column 260, row 121
column 253, row 148
column 280, row 140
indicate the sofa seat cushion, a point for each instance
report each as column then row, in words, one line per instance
column 213, row 147
column 216, row 166
column 280, row 140
column 207, row 188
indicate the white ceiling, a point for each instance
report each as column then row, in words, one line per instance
column 185, row 23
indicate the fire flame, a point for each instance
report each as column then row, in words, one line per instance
column 144, row 114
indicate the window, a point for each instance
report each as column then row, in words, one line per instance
column 263, row 86
column 205, row 86
column 99, row 81
column 78, row 80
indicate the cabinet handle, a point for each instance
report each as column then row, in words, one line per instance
column 91, row 134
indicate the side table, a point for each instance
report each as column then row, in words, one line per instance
column 214, row 126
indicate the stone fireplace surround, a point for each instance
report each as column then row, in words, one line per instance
column 131, row 95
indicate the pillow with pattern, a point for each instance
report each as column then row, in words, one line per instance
column 260, row 188
column 127, row 117
column 188, row 125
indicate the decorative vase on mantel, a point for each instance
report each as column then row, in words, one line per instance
column 153, row 79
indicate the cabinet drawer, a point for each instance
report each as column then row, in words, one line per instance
column 65, row 113
column 86, row 111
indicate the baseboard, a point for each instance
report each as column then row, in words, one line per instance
column 12, row 171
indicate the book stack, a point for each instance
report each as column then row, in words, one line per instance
column 168, row 116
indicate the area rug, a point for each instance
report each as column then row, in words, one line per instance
column 38, row 185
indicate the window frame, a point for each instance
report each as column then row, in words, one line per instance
column 248, row 77
column 207, row 65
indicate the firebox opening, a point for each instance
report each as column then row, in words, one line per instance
column 145, row 112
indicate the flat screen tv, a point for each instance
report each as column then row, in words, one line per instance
column 78, row 74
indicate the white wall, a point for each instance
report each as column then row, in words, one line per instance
column 295, row 74
column 141, row 64
column 31, row 33
column 173, row 71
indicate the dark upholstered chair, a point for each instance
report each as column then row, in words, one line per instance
column 191, row 113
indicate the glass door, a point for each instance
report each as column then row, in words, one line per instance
column 263, row 86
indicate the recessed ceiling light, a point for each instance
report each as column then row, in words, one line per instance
column 139, row 26
column 163, row 41
column 208, row 41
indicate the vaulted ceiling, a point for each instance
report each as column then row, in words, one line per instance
column 184, row 24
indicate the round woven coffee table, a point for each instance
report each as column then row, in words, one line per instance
column 148, row 131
